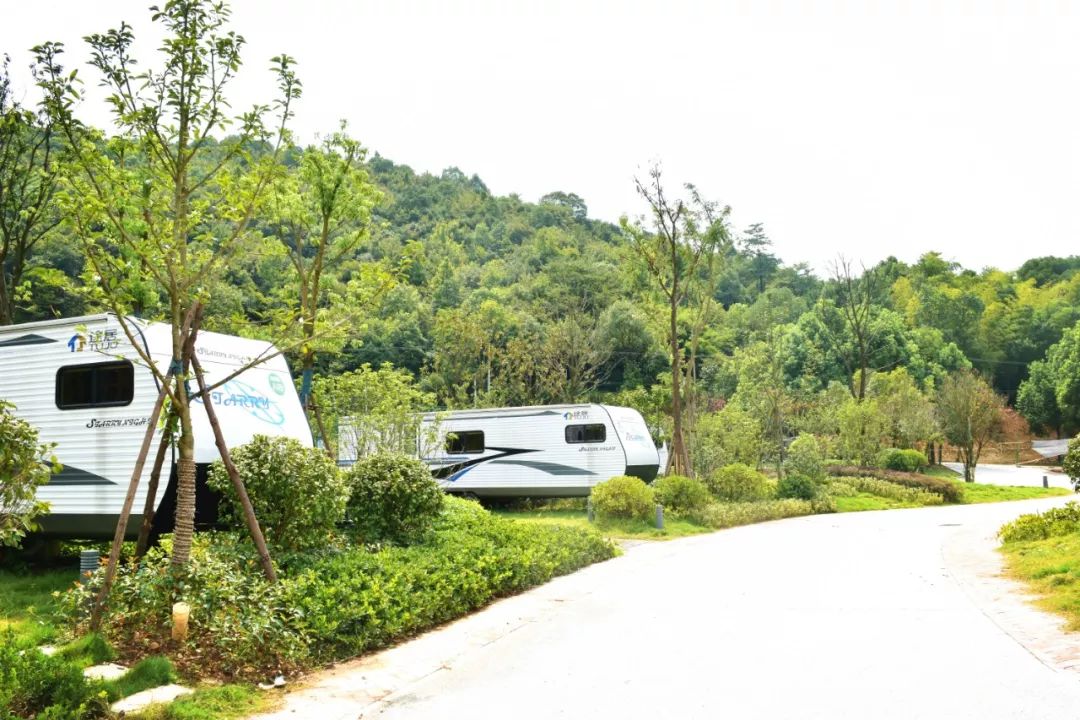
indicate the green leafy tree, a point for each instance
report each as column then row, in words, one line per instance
column 679, row 245
column 969, row 413
column 1071, row 464
column 161, row 207
column 29, row 172
column 25, row 465
column 908, row 413
column 861, row 427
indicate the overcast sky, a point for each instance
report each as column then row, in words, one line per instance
column 863, row 128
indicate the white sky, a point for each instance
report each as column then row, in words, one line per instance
column 863, row 128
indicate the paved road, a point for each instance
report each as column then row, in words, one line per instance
column 862, row 615
column 1027, row 475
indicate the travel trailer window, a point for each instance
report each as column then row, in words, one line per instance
column 465, row 441
column 108, row 384
column 586, row 433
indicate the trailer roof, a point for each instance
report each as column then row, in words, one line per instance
column 60, row 322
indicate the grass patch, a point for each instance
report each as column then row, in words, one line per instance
column 1050, row 568
column 974, row 493
column 27, row 605
column 149, row 673
column 618, row 528
column 87, row 650
column 865, row 501
column 222, row 702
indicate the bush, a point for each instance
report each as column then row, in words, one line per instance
column 739, row 483
column 680, row 494
column 1039, row 526
column 35, row 685
column 725, row 515
column 623, row 497
column 298, row 493
column 359, row 600
column 797, row 487
column 902, row 460
column 239, row 623
column 805, row 459
column 1071, row 464
column 883, row 488
column 951, row 491
column 394, row 498
column 24, row 466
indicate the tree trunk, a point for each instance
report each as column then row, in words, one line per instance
column 678, row 462
column 328, row 446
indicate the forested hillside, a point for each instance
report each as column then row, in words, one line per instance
column 485, row 300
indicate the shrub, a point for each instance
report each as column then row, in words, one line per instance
column 883, row 488
column 24, row 466
column 725, row 515
column 951, row 491
column 394, row 498
column 797, row 487
column 739, row 483
column 297, row 492
column 35, row 685
column 358, row 600
column 623, row 497
column 804, row 459
column 1039, row 526
column 680, row 494
column 239, row 623
column 902, row 460
column 1071, row 464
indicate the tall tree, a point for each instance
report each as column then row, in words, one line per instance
column 969, row 413
column 162, row 207
column 29, row 170
column 678, row 244
column 321, row 214
column 855, row 344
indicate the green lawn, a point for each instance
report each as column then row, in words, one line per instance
column 613, row 528
column 27, row 605
column 976, row 493
column 1051, row 568
column 866, row 501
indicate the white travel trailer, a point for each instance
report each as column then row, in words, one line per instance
column 550, row 450
column 82, row 385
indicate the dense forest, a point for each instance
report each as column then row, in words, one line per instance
column 465, row 298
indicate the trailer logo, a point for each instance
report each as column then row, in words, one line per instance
column 117, row 422
column 77, row 342
column 98, row 340
column 241, row 395
column 576, row 415
column 276, row 385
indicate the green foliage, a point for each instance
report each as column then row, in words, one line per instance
column 358, row 600
column 1055, row 522
column 797, row 487
column 725, row 515
column 148, row 673
column 680, row 494
column 38, row 686
column 861, row 426
column 1071, row 464
column 373, row 410
column 969, row 414
column 298, row 493
column 394, row 498
column 25, row 465
column 225, row 702
column 883, row 488
column 902, row 460
column 951, row 491
column 739, row 483
column 732, row 435
column 239, row 623
column 805, row 459
column 623, row 497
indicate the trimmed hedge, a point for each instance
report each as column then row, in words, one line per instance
column 739, row 483
column 356, row 601
column 885, row 489
column 950, row 491
column 725, row 515
column 623, row 497
column 902, row 460
column 680, row 494
column 394, row 498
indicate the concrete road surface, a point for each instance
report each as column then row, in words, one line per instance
column 865, row 615
column 1026, row 475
